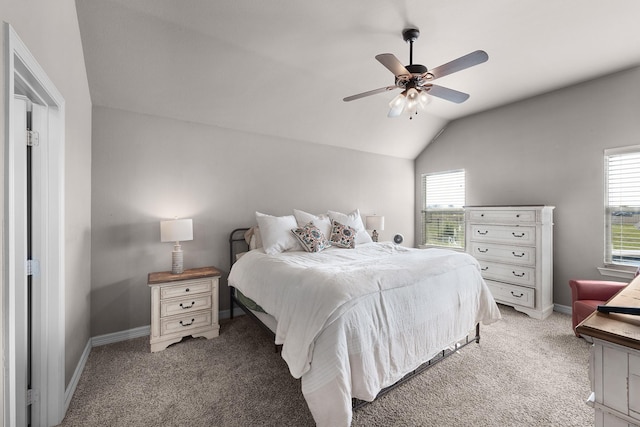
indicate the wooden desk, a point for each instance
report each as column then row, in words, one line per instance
column 615, row 361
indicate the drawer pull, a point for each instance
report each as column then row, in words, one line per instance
column 518, row 235
column 483, row 251
column 187, row 324
column 518, row 255
column 483, row 233
column 484, row 268
column 517, row 296
column 188, row 306
column 518, row 274
column 186, row 290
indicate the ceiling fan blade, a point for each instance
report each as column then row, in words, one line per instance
column 391, row 62
column 466, row 61
column 448, row 94
column 369, row 93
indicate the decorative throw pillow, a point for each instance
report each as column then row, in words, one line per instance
column 311, row 238
column 342, row 235
column 322, row 221
column 353, row 220
column 276, row 233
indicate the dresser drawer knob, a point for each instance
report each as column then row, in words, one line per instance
column 187, row 290
column 518, row 235
column 483, row 251
column 520, row 255
column 187, row 324
column 517, row 296
column 484, row 233
column 518, row 274
column 188, row 306
column 484, row 268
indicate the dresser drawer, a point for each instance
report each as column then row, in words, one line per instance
column 512, row 294
column 502, row 216
column 172, row 306
column 634, row 385
column 185, row 323
column 514, row 235
column 511, row 254
column 519, row 275
column 185, row 288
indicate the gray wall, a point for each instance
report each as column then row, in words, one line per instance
column 147, row 168
column 546, row 150
column 50, row 32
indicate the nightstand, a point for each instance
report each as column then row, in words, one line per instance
column 182, row 305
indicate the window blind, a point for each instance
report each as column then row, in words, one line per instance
column 443, row 209
column 622, row 206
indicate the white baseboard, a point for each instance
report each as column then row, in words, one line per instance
column 562, row 309
column 114, row 337
column 71, row 388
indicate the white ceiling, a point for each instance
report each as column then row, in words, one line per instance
column 282, row 67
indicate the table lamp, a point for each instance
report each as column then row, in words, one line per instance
column 177, row 230
column 374, row 223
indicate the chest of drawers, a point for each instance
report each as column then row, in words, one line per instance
column 182, row 305
column 614, row 365
column 514, row 246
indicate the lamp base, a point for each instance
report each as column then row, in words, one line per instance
column 374, row 236
column 177, row 260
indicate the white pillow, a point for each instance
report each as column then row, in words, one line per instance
column 322, row 221
column 276, row 233
column 353, row 220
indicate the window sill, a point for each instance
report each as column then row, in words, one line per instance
column 440, row 247
column 619, row 271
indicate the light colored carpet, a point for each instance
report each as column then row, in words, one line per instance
column 524, row 372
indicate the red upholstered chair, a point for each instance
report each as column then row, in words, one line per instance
column 587, row 295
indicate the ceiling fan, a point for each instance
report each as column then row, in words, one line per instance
column 415, row 79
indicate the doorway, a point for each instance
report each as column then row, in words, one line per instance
column 33, row 276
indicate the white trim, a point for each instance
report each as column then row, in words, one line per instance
column 617, row 272
column 23, row 72
column 621, row 150
column 114, row 337
column 565, row 309
column 77, row 373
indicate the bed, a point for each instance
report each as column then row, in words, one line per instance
column 352, row 323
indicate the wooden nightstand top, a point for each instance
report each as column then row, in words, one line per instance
column 192, row 273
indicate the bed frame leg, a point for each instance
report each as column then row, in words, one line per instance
column 231, row 302
column 477, row 333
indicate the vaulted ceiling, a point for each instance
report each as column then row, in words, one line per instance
column 282, row 67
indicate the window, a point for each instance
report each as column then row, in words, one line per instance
column 443, row 209
column 622, row 206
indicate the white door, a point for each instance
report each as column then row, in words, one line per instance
column 33, row 301
column 18, row 233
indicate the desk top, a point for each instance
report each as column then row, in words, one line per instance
column 622, row 329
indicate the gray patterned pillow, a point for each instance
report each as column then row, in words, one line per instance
column 342, row 235
column 311, row 238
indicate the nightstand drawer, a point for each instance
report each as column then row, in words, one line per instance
column 185, row 305
column 185, row 323
column 186, row 288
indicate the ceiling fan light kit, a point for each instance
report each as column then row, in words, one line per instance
column 415, row 79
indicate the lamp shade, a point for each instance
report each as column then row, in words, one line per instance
column 374, row 223
column 177, row 230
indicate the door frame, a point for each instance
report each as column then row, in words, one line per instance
column 24, row 76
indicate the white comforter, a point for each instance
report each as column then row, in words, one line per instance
column 353, row 321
